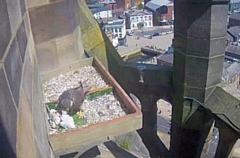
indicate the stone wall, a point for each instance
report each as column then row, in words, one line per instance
column 22, row 114
column 37, row 36
column 57, row 34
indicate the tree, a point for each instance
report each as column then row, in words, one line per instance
column 140, row 6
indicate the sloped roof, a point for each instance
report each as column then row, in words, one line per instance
column 232, row 51
column 235, row 16
column 138, row 12
column 155, row 4
column 234, row 1
column 167, row 57
column 234, row 31
column 100, row 9
column 233, row 69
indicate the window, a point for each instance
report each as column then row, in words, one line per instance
column 120, row 35
column 116, row 30
column 132, row 19
column 150, row 17
column 120, row 30
column 141, row 18
column 150, row 24
column 133, row 26
column 145, row 17
column 137, row 18
column 145, row 24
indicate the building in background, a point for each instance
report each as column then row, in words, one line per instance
column 234, row 6
column 162, row 10
column 101, row 12
column 137, row 19
column 126, row 4
column 118, row 28
column 113, row 38
column 234, row 20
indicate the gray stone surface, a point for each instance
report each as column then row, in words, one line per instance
column 22, row 40
column 46, row 55
column 27, row 78
column 78, row 42
column 23, row 6
column 25, row 134
column 215, row 70
column 34, row 3
column 57, row 16
column 219, row 21
column 40, row 127
column 8, row 119
column 196, row 71
column 200, row 47
column 14, row 13
column 13, row 67
column 179, row 62
column 5, row 28
column 27, row 24
column 66, row 51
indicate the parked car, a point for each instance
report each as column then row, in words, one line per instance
column 156, row 34
column 163, row 33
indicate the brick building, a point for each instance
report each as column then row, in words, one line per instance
column 128, row 3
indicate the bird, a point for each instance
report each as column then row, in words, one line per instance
column 71, row 100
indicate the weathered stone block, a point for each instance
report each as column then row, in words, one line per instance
column 194, row 92
column 27, row 80
column 13, row 67
column 34, row 3
column 22, row 40
column 25, row 130
column 219, row 20
column 215, row 70
column 78, row 42
column 36, row 78
column 47, row 56
column 5, row 28
column 179, row 63
column 198, row 19
column 27, row 25
column 196, row 71
column 23, row 7
column 14, row 13
column 8, row 117
column 57, row 16
column 201, row 20
column 205, row 48
column 66, row 51
column 41, row 137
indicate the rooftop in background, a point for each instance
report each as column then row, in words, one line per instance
column 234, row 1
column 115, row 23
column 106, row 20
column 100, row 9
column 235, row 16
column 92, row 2
column 97, row 5
column 232, row 70
column 233, row 33
column 166, row 58
column 233, row 51
column 155, row 4
column 118, row 10
column 138, row 12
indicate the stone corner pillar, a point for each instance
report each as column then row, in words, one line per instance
column 199, row 48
